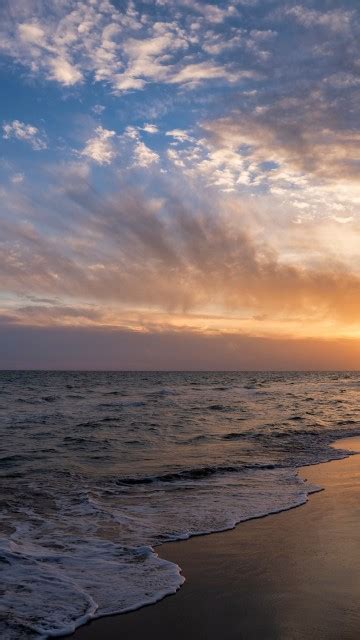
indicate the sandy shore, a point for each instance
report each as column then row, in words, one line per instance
column 291, row 576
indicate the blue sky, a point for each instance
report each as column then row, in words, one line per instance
column 180, row 166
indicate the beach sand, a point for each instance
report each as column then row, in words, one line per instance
column 290, row 576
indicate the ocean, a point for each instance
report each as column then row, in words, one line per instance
column 98, row 469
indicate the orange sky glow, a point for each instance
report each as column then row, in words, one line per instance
column 165, row 189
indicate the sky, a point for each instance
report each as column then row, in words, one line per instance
column 179, row 184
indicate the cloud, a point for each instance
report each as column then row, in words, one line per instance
column 211, row 12
column 255, row 228
column 179, row 134
column 145, row 56
column 152, row 60
column 300, row 144
column 298, row 147
column 55, row 314
column 64, row 72
column 66, row 348
column 100, row 148
column 26, row 133
column 31, row 33
column 150, row 128
column 129, row 250
column 144, row 156
column 65, row 41
column 73, row 41
column 337, row 20
column 201, row 71
column 127, row 82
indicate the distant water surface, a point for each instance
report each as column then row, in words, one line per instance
column 98, row 469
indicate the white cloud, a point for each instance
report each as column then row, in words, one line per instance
column 215, row 43
column 65, row 40
column 210, row 12
column 150, row 59
column 198, row 72
column 150, row 128
column 179, row 134
column 245, row 153
column 31, row 33
column 175, row 158
column 68, row 41
column 132, row 132
column 100, row 148
column 343, row 220
column 124, row 82
column 144, row 156
column 64, row 72
column 26, row 133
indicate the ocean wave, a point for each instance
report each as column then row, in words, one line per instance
column 234, row 436
column 34, row 581
column 88, row 499
column 192, row 474
column 90, row 577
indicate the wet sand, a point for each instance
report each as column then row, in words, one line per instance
column 290, row 576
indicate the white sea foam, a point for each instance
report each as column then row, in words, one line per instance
column 56, row 581
column 51, row 593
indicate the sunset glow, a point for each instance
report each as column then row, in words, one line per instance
column 184, row 169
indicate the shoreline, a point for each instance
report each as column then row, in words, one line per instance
column 186, row 554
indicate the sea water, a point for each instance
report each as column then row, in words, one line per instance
column 99, row 469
